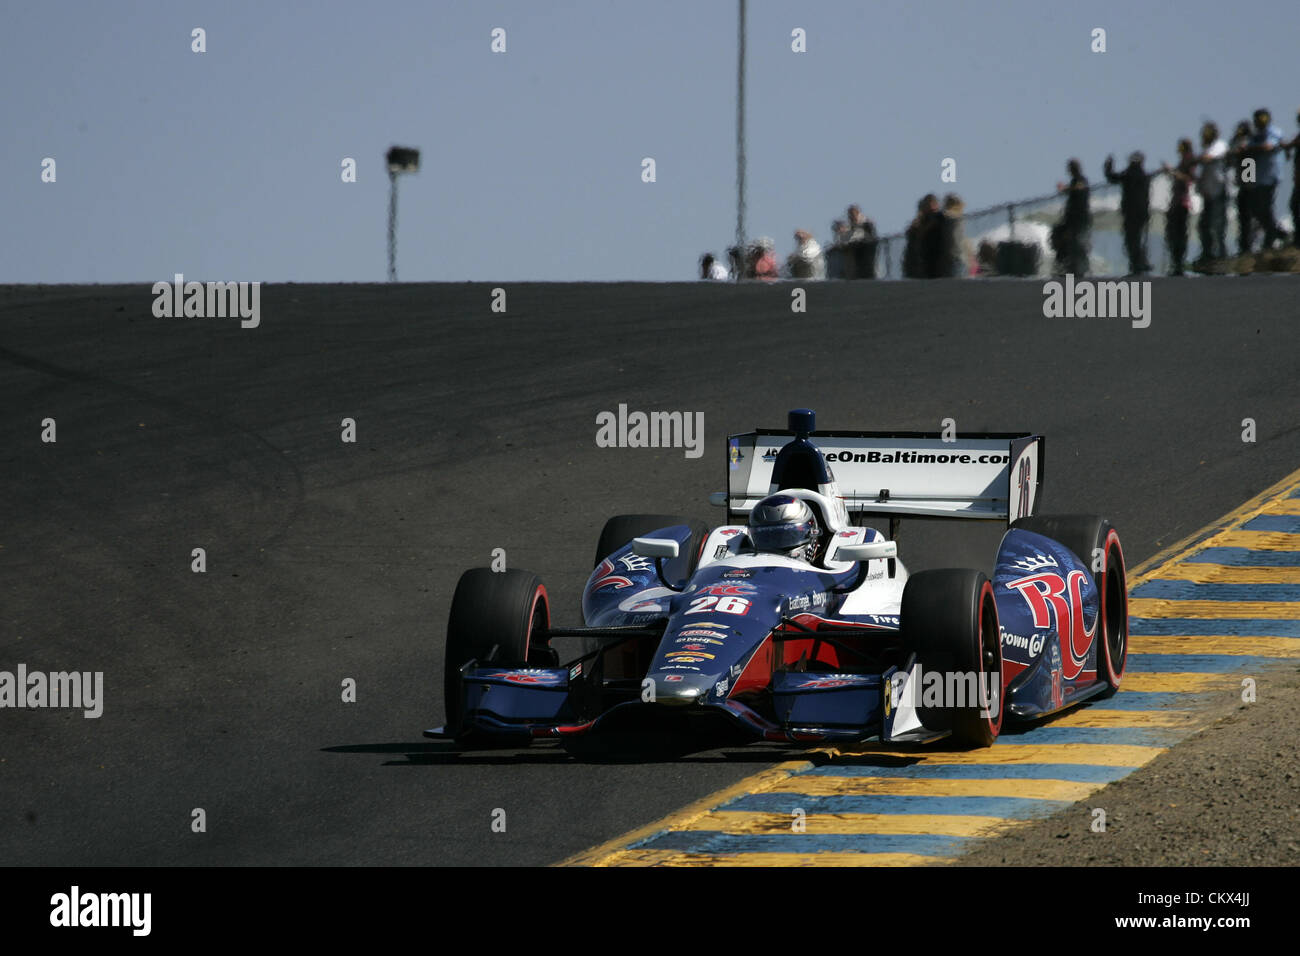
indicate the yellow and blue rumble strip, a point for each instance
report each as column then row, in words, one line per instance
column 1225, row 599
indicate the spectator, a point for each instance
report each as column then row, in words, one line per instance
column 1180, row 204
column 764, row 259
column 1071, row 237
column 952, row 259
column 807, row 261
column 1294, row 148
column 1134, row 208
column 1266, row 149
column 917, row 253
column 835, row 255
column 986, row 259
column 861, row 246
column 1212, row 185
column 738, row 263
column 1245, row 188
column 712, row 270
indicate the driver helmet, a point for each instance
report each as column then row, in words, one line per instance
column 784, row 524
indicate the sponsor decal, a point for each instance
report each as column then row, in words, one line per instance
column 605, row 577
column 575, row 671
column 697, row 641
column 636, row 562
column 529, row 677
column 770, row 454
column 702, row 632
column 673, row 677
column 734, row 457
column 847, row 534
column 687, row 660
column 834, row 681
column 728, row 532
column 1033, row 644
column 740, row 588
column 802, row 602
column 1034, row 562
column 1053, row 599
column 721, row 687
column 901, row 457
column 679, row 667
column 885, row 620
column 737, row 573
column 721, row 551
column 694, row 647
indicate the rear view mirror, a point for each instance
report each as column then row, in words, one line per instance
column 656, row 547
column 867, row 552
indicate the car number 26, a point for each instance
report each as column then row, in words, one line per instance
column 724, row 605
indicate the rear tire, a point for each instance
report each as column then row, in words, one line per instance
column 1091, row 537
column 949, row 618
column 496, row 617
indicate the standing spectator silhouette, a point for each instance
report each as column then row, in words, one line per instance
column 1245, row 201
column 807, row 261
column 919, row 250
column 1180, row 204
column 764, row 259
column 1071, row 237
column 712, row 270
column 861, row 246
column 1266, row 149
column 952, row 260
column 1211, row 183
column 1134, row 208
column 1294, row 148
column 836, row 254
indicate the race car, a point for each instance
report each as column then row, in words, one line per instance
column 796, row 620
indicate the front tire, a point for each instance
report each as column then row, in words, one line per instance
column 950, row 619
column 497, row 617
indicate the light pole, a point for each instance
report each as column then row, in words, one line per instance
column 740, row 138
column 400, row 160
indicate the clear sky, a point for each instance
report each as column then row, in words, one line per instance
column 226, row 164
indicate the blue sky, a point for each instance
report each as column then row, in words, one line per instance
column 225, row 165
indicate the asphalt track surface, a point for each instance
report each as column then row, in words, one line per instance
column 476, row 430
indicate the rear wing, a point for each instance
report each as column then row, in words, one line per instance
column 992, row 476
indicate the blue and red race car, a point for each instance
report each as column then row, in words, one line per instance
column 796, row 621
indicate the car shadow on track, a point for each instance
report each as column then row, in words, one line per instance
column 612, row 750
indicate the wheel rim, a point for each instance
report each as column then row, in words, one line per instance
column 991, row 655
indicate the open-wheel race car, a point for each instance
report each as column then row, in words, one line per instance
column 796, row 620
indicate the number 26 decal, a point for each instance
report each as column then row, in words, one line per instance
column 724, row 605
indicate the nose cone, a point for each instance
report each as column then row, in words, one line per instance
column 681, row 689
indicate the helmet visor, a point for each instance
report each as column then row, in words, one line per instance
column 781, row 537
